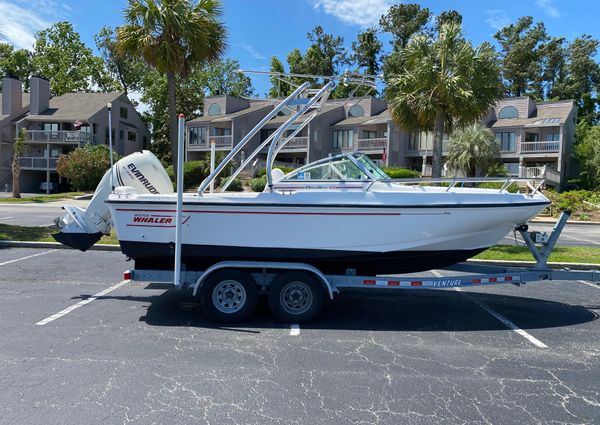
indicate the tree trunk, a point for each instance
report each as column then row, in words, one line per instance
column 16, row 170
column 438, row 136
column 172, row 119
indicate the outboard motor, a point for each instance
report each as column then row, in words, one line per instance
column 140, row 172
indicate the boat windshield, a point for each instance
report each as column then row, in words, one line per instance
column 356, row 166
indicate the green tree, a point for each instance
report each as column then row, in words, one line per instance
column 84, row 167
column 224, row 77
column 366, row 50
column 553, row 66
column 17, row 148
column 446, row 82
column 582, row 77
column 173, row 36
column 325, row 54
column 278, row 87
column 121, row 66
column 587, row 150
column 61, row 56
column 404, row 20
column 446, row 17
column 472, row 150
column 16, row 63
column 522, row 47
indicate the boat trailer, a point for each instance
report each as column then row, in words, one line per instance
column 228, row 290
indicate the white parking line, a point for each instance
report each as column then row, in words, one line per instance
column 29, row 256
column 593, row 285
column 500, row 317
column 80, row 304
column 295, row 330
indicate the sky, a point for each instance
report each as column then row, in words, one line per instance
column 259, row 29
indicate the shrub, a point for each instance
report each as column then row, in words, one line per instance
column 575, row 200
column 84, row 167
column 258, row 184
column 401, row 173
column 193, row 173
column 235, row 186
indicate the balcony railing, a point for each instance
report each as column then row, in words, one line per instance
column 37, row 163
column 533, row 172
column 540, row 147
column 221, row 142
column 61, row 136
column 422, row 148
column 377, row 144
column 299, row 142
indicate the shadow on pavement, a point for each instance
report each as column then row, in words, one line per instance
column 409, row 310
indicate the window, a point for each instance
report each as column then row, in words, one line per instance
column 512, row 168
column 95, row 128
column 507, row 141
column 145, row 142
column 265, row 133
column 85, row 128
column 52, row 126
column 552, row 137
column 214, row 109
column 123, row 112
column 121, row 134
column 197, row 136
column 414, row 141
column 342, row 139
column 367, row 134
column 532, row 137
column 356, row 111
column 215, row 131
column 106, row 135
column 508, row 112
column 131, row 136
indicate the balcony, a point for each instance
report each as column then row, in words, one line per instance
column 221, row 143
column 62, row 136
column 421, row 149
column 296, row 144
column 540, row 147
column 37, row 163
column 368, row 145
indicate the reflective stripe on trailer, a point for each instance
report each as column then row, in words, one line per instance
column 440, row 282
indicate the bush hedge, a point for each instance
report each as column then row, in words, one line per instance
column 258, row 184
column 84, row 167
column 235, row 186
column 401, row 173
column 193, row 173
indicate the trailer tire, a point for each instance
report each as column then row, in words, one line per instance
column 296, row 297
column 229, row 296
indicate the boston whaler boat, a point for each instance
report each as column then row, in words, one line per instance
column 338, row 213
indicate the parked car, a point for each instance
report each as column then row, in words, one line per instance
column 44, row 185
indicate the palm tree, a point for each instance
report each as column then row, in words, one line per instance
column 445, row 82
column 472, row 150
column 173, row 36
column 17, row 149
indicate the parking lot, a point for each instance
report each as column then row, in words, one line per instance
column 78, row 346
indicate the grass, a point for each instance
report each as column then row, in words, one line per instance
column 10, row 232
column 560, row 254
column 42, row 198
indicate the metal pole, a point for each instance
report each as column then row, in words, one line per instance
column 180, row 152
column 110, row 143
column 213, row 147
column 47, row 168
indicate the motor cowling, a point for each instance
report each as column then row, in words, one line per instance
column 140, row 172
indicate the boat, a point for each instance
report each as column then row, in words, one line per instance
column 341, row 214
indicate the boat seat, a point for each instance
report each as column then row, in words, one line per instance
column 276, row 175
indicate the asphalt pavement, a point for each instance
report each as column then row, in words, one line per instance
column 77, row 346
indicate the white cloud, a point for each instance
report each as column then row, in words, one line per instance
column 497, row 18
column 252, row 51
column 548, row 7
column 18, row 25
column 355, row 12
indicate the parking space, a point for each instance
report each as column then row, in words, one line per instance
column 142, row 356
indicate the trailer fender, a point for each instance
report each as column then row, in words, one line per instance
column 265, row 265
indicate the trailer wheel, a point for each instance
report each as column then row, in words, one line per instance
column 296, row 296
column 229, row 295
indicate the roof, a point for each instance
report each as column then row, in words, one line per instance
column 75, row 106
column 381, row 118
column 280, row 119
column 24, row 100
column 548, row 114
column 254, row 106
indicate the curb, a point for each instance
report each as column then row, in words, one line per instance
column 577, row 223
column 55, row 245
column 552, row 265
column 501, row 263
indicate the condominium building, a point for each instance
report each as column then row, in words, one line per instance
column 58, row 125
column 535, row 138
